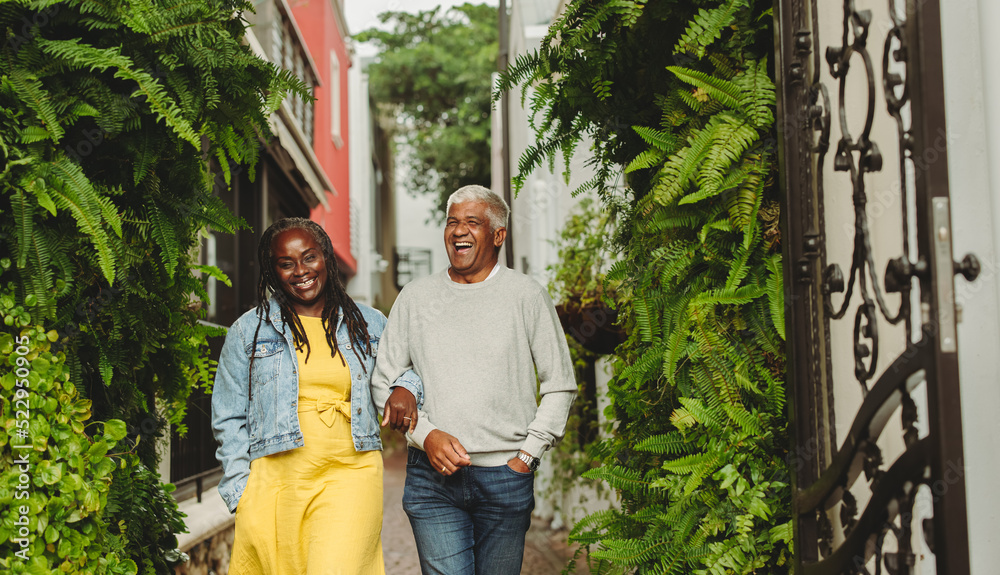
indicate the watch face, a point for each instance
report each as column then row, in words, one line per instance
column 531, row 462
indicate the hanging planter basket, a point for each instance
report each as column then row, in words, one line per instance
column 592, row 324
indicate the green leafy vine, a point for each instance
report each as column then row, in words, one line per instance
column 115, row 118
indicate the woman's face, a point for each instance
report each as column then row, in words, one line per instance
column 300, row 267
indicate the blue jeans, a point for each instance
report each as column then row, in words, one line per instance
column 472, row 522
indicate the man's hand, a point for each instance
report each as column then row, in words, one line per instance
column 400, row 411
column 445, row 452
column 519, row 466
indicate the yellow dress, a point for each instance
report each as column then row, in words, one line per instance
column 316, row 509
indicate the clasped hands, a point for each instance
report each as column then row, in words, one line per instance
column 444, row 451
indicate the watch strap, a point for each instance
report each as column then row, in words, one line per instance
column 531, row 462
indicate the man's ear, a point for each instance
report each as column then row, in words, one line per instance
column 499, row 236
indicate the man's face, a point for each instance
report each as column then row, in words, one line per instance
column 470, row 240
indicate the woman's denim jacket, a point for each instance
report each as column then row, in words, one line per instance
column 247, row 429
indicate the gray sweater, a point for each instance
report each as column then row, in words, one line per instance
column 477, row 347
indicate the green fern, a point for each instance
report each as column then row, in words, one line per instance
column 163, row 232
column 670, row 443
column 619, row 478
column 706, row 27
column 35, row 97
column 776, row 294
column 630, row 552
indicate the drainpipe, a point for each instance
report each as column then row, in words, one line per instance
column 505, row 128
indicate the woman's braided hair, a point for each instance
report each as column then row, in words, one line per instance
column 336, row 295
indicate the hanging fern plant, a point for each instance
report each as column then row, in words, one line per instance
column 677, row 99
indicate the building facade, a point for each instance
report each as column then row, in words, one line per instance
column 324, row 31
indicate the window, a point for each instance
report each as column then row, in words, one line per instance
column 338, row 140
column 288, row 52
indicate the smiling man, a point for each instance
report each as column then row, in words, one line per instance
column 487, row 344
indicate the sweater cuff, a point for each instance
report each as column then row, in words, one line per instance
column 534, row 446
column 410, row 382
column 423, row 429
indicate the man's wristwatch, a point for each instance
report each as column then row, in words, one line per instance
column 532, row 462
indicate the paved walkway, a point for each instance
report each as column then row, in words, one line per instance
column 545, row 551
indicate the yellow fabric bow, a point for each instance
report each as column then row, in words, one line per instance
column 327, row 406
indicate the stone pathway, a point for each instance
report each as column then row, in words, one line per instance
column 545, row 551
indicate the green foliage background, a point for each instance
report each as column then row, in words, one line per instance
column 110, row 116
column 577, row 281
column 433, row 75
column 675, row 97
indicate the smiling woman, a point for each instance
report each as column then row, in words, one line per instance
column 301, row 269
column 298, row 433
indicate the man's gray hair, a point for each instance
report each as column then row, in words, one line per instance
column 497, row 209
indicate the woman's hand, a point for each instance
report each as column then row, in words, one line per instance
column 400, row 411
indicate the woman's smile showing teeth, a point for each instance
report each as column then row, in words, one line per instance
column 305, row 284
column 300, row 268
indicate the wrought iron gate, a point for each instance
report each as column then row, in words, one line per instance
column 856, row 504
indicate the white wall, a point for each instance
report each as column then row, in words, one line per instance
column 416, row 227
column 972, row 89
column 538, row 214
column 361, row 286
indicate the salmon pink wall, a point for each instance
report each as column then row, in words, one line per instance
column 317, row 20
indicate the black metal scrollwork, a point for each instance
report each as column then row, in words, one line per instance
column 860, row 156
column 881, row 530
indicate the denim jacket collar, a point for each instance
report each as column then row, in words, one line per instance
column 276, row 321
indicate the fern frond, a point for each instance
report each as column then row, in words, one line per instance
column 32, row 134
column 698, row 475
column 213, row 272
column 776, row 293
column 649, row 360
column 664, row 219
column 672, row 443
column 166, row 238
column 706, row 28
column 680, row 169
column 619, row 477
column 757, row 93
column 648, row 329
column 729, row 296
column 688, row 463
column 619, row 270
column 725, row 91
column 732, row 137
column 588, row 530
column 84, row 56
column 738, row 269
column 72, row 191
column 647, row 159
column 630, row 551
column 746, row 420
column 33, row 93
column 32, row 251
column 743, row 202
column 677, row 341
column 661, row 140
